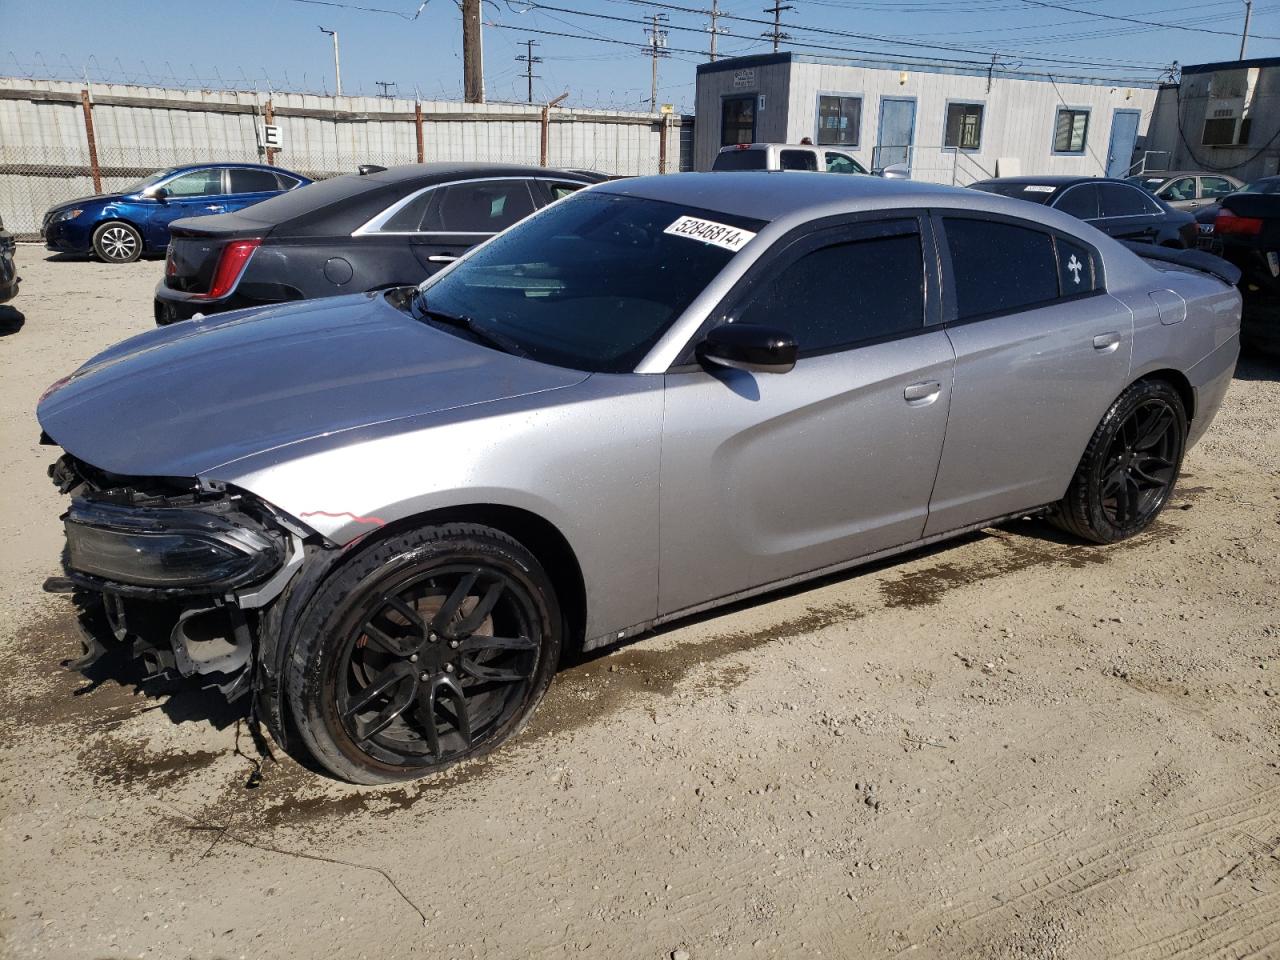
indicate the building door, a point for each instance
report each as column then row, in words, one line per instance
column 738, row 120
column 897, row 131
column 1124, row 134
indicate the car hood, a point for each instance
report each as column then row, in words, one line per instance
column 184, row 399
column 87, row 201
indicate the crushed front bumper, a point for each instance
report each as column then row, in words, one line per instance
column 182, row 576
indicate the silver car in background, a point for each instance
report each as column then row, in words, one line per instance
column 385, row 516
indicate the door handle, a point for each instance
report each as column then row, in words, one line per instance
column 214, row 207
column 442, row 258
column 922, row 393
column 1106, row 342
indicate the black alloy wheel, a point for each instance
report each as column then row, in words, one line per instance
column 440, row 652
column 1130, row 466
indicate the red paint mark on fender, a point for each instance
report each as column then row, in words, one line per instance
column 376, row 521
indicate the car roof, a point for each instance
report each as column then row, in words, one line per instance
column 1056, row 180
column 228, row 163
column 445, row 170
column 787, row 192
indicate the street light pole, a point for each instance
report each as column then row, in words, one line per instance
column 1244, row 36
column 337, row 63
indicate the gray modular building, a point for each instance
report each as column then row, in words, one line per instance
column 1223, row 117
column 950, row 124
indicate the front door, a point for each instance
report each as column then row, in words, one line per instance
column 768, row 476
column 897, row 131
column 1041, row 352
column 1124, row 134
column 194, row 194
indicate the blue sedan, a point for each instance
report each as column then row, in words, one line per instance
column 120, row 227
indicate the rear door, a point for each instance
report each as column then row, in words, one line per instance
column 249, row 185
column 767, row 476
column 1181, row 193
column 457, row 216
column 1041, row 351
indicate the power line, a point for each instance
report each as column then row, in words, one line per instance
column 776, row 34
column 1145, row 23
column 363, row 9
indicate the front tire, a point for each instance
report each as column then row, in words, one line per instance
column 425, row 649
column 117, row 242
column 1129, row 467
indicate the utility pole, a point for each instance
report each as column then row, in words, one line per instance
column 337, row 63
column 656, row 48
column 472, row 53
column 528, row 59
column 1244, row 35
column 777, row 35
column 385, row 85
column 715, row 29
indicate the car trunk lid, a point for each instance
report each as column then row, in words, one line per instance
column 197, row 244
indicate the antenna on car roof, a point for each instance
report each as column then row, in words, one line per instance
column 368, row 168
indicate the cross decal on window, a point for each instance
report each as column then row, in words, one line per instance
column 1075, row 266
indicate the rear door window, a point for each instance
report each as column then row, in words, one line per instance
column 865, row 285
column 1213, row 187
column 486, row 206
column 798, row 160
column 247, row 180
column 998, row 267
column 1080, row 201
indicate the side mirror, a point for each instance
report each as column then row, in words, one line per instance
column 749, row 346
column 160, row 193
column 896, row 171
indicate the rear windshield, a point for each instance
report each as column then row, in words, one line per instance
column 309, row 198
column 740, row 160
column 1036, row 192
column 592, row 282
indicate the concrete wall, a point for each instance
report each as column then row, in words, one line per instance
column 1018, row 118
column 1248, row 88
column 44, row 155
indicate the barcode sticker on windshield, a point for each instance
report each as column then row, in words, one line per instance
column 708, row 231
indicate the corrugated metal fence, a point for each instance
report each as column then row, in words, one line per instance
column 59, row 140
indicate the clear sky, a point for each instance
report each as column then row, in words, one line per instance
column 276, row 43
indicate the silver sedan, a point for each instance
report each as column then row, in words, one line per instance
column 386, row 516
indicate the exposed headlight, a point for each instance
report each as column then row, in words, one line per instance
column 166, row 547
column 66, row 215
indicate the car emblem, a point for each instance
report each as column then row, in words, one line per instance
column 1075, row 266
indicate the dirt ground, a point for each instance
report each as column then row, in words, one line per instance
column 1007, row 746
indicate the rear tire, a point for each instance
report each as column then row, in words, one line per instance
column 1129, row 467
column 117, row 242
column 425, row 649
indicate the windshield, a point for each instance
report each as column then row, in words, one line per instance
column 1150, row 184
column 1036, row 192
column 149, row 181
column 592, row 283
column 1265, row 185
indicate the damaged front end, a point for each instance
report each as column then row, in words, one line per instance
column 185, row 573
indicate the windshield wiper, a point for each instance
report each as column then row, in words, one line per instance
column 460, row 322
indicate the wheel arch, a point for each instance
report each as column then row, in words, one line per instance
column 116, row 218
column 539, row 535
column 1178, row 380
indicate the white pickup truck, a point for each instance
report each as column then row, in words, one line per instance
column 795, row 156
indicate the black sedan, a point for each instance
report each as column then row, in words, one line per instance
column 1113, row 206
column 376, row 229
column 1207, row 215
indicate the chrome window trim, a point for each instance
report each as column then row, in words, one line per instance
column 1126, row 216
column 372, row 225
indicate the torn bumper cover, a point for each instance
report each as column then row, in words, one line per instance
column 183, row 574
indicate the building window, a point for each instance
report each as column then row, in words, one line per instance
column 1225, row 132
column 738, row 120
column 839, row 120
column 1071, row 131
column 964, row 126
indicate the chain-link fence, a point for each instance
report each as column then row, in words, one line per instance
column 61, row 143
